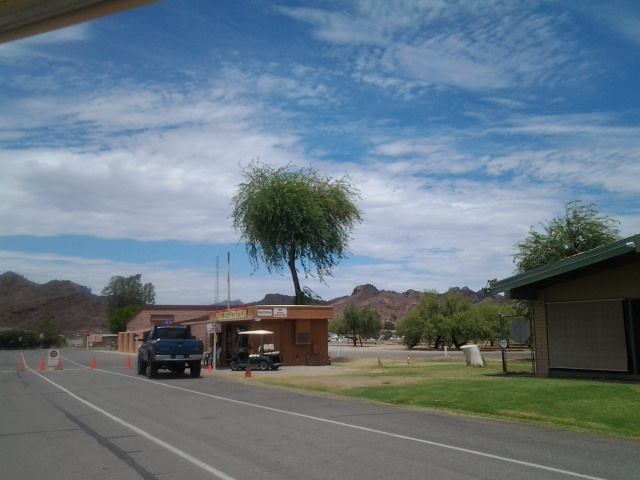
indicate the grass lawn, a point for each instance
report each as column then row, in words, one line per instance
column 602, row 407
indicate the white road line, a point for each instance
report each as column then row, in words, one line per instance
column 364, row 429
column 182, row 454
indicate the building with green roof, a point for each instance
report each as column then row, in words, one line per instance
column 586, row 311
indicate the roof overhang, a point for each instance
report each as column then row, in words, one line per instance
column 526, row 285
column 25, row 18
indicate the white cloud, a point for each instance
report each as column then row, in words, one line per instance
column 431, row 156
column 35, row 47
column 589, row 150
column 470, row 46
column 618, row 18
column 155, row 165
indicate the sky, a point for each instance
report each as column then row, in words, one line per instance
column 461, row 124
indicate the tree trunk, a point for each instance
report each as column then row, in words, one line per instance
column 294, row 275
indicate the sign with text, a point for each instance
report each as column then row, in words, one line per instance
column 230, row 315
column 53, row 358
column 264, row 312
column 280, row 312
column 214, row 327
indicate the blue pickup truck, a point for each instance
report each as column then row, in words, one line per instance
column 172, row 348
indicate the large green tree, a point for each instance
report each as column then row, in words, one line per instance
column 125, row 296
column 295, row 217
column 357, row 323
column 441, row 319
column 581, row 228
column 52, row 333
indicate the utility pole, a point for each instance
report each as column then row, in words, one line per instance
column 228, row 280
column 217, row 279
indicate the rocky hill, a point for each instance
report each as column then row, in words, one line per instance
column 23, row 303
column 391, row 306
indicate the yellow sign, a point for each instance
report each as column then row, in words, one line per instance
column 236, row 314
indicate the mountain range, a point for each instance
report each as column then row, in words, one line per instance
column 24, row 303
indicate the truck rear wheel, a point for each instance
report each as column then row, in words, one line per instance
column 194, row 369
column 152, row 370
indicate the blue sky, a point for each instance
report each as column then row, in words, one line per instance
column 462, row 124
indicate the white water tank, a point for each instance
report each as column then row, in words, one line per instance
column 473, row 356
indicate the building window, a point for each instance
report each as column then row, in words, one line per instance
column 303, row 332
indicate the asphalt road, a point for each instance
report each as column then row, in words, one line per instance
column 109, row 423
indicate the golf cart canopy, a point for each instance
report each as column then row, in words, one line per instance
column 256, row 332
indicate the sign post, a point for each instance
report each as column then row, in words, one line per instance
column 215, row 328
column 215, row 350
column 503, row 344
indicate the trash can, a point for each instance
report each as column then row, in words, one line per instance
column 472, row 355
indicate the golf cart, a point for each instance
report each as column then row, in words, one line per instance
column 266, row 358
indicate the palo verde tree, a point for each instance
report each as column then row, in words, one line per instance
column 125, row 296
column 295, row 217
column 580, row 229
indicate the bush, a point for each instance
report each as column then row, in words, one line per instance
column 18, row 339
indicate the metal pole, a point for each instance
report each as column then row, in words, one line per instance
column 504, row 356
column 217, row 279
column 228, row 280
column 215, row 345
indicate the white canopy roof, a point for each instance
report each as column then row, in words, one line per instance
column 256, row 332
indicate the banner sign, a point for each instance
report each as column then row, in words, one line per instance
column 264, row 312
column 230, row 315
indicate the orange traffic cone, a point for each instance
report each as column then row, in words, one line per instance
column 42, row 367
column 127, row 363
column 210, row 368
column 93, row 363
column 60, row 366
column 247, row 372
column 21, row 366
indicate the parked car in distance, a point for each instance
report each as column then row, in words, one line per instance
column 170, row 347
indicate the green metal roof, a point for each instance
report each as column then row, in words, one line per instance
column 583, row 260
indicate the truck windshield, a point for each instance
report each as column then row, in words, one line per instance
column 173, row 333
